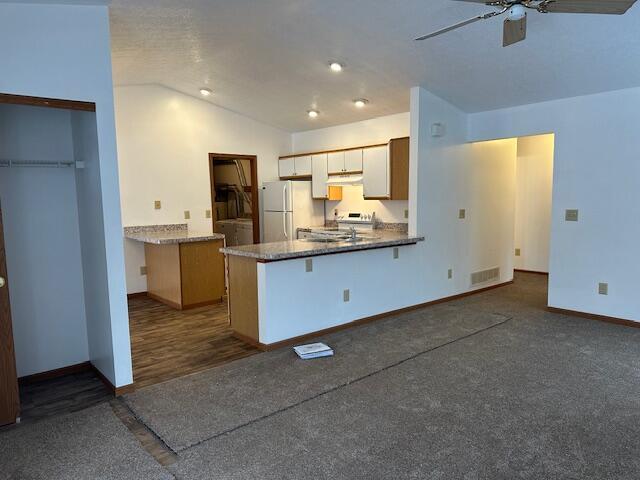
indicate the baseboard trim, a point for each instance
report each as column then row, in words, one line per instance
column 362, row 321
column 530, row 271
column 593, row 316
column 136, row 295
column 116, row 391
column 55, row 373
column 170, row 303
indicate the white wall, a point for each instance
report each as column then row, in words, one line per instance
column 42, row 240
column 164, row 138
column 368, row 132
column 63, row 51
column 534, row 181
column 596, row 170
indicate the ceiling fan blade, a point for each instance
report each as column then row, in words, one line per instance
column 611, row 7
column 461, row 24
column 514, row 31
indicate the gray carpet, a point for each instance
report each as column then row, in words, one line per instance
column 542, row 396
column 90, row 444
column 187, row 411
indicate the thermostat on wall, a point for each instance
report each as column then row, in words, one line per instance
column 437, row 130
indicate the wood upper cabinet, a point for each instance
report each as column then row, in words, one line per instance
column 399, row 163
column 295, row 167
column 375, row 173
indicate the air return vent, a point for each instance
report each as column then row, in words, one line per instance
column 485, row 276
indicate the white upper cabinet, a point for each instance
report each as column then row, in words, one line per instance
column 335, row 162
column 319, row 176
column 345, row 162
column 353, row 160
column 295, row 167
column 286, row 167
column 303, row 166
column 375, row 172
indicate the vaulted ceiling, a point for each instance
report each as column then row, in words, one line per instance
column 268, row 59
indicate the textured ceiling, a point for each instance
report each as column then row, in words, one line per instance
column 267, row 59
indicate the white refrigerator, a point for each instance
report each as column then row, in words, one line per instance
column 288, row 205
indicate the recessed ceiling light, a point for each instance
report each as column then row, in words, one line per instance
column 313, row 113
column 360, row 102
column 205, row 92
column 335, row 67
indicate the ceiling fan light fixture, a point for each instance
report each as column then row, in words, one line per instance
column 205, row 92
column 360, row 102
column 517, row 12
column 336, row 67
column 313, row 113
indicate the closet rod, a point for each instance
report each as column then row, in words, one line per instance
column 28, row 163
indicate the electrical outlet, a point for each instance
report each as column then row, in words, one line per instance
column 462, row 213
column 157, row 205
column 571, row 215
column 308, row 265
column 187, row 214
column 396, row 252
column 517, row 252
column 143, row 270
column 207, row 214
column 450, row 273
column 406, row 214
column 345, row 295
column 603, row 288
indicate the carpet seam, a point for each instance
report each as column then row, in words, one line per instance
column 337, row 387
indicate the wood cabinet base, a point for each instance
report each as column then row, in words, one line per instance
column 185, row 275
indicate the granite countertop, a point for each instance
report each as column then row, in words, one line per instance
column 168, row 234
column 275, row 251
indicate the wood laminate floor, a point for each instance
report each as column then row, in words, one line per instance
column 168, row 343
column 56, row 396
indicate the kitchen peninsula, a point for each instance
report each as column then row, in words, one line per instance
column 185, row 269
column 281, row 292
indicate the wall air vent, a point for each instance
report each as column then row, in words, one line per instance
column 485, row 276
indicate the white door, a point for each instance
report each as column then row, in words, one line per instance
column 319, row 176
column 353, row 160
column 375, row 172
column 276, row 197
column 335, row 162
column 303, row 166
column 278, row 226
column 286, row 167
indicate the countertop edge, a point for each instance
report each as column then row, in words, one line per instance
column 170, row 241
column 278, row 257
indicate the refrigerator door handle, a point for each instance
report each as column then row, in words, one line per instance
column 284, row 213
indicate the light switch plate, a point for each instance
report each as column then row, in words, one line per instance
column 157, row 205
column 571, row 215
column 308, row 265
column 603, row 288
column 517, row 252
column 143, row 270
column 406, row 214
column 187, row 214
column 345, row 295
column 450, row 273
column 462, row 214
column 207, row 214
column 396, row 252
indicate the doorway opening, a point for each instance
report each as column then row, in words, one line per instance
column 519, row 207
column 234, row 197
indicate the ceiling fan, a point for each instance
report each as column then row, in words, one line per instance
column 515, row 25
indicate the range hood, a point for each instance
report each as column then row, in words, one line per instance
column 338, row 180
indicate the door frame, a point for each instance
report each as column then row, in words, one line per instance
column 255, row 210
column 9, row 393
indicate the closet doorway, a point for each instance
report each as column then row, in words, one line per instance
column 49, row 245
